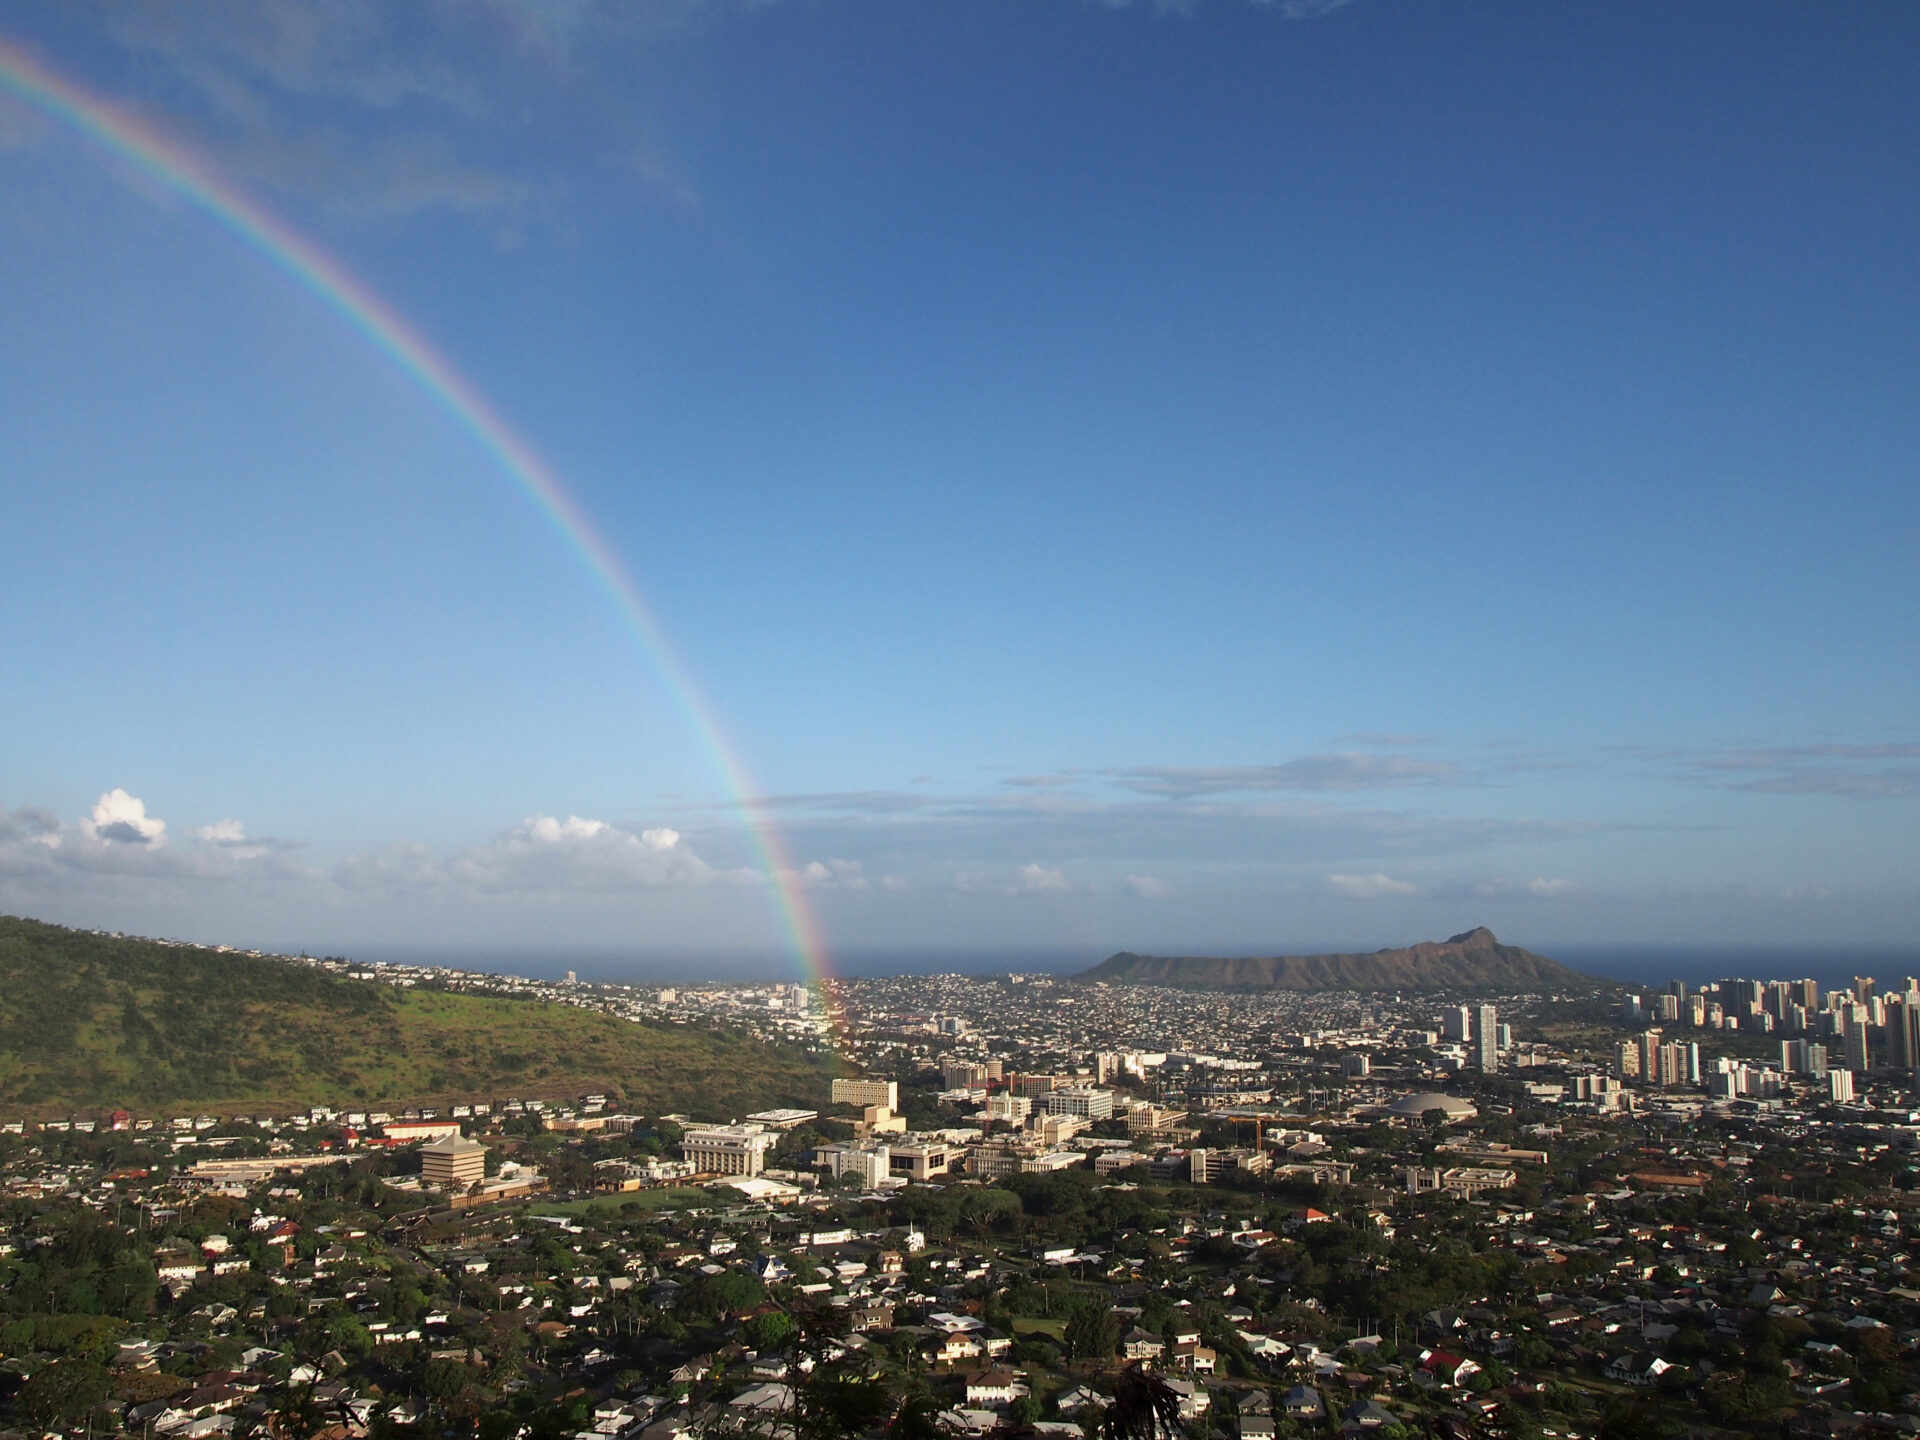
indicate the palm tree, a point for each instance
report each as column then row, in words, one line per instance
column 297, row 1416
column 1144, row 1408
column 918, row 1418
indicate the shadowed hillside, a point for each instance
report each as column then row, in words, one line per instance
column 96, row 1021
column 1473, row 961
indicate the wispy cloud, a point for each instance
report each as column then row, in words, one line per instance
column 1305, row 9
column 1538, row 887
column 1375, row 886
column 334, row 102
column 394, row 175
column 1870, row 770
column 1343, row 770
column 327, row 49
column 852, row 802
column 1285, row 9
column 543, row 855
column 1029, row 879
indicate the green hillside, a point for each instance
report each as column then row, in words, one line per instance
column 1475, row 961
column 94, row 1022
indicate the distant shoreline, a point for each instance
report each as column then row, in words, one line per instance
column 1630, row 964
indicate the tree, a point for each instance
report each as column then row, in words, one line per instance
column 1092, row 1332
column 1531, row 1352
column 763, row 1332
column 830, row 1406
column 918, row 1418
column 64, row 1390
column 1144, row 1408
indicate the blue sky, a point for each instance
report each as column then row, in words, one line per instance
column 1233, row 475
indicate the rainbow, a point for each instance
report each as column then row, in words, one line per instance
column 102, row 124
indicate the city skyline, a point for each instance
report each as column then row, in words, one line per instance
column 1247, row 477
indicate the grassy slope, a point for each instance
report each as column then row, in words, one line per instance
column 87, row 1021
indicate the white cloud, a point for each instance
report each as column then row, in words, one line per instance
column 1540, row 887
column 835, row 874
column 1369, row 887
column 117, row 848
column 1146, row 887
column 397, row 868
column 545, row 853
column 121, row 819
column 1037, row 879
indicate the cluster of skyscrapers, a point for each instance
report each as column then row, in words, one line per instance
column 1478, row 1027
column 1861, row 1027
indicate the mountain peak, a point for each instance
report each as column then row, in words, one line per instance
column 1473, row 961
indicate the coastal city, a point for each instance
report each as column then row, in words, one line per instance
column 1008, row 1204
column 959, row 720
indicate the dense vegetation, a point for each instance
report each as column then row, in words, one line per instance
column 97, row 1021
column 1474, row 961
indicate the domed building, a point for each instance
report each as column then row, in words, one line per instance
column 1415, row 1107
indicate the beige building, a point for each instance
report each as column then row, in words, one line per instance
column 867, row 1092
column 452, row 1162
column 1146, row 1119
column 922, row 1159
column 728, row 1149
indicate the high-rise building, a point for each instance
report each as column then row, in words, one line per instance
column 1856, row 1042
column 1356, row 1064
column 1457, row 1023
column 1903, row 1033
column 1840, row 1086
column 1650, row 1056
column 452, row 1162
column 1486, row 1039
column 962, row 1075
